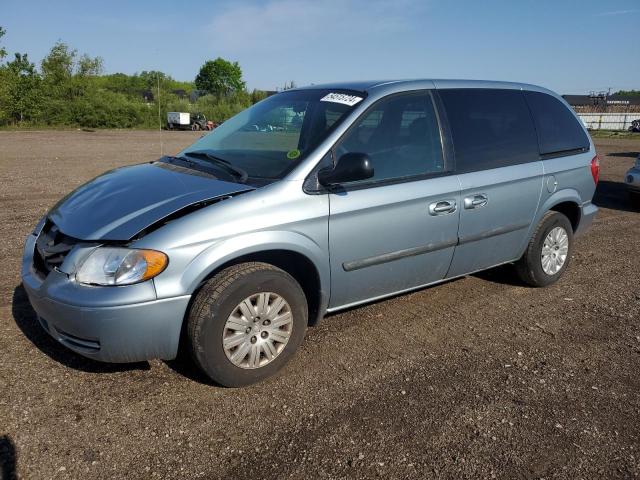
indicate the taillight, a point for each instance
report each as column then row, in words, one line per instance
column 595, row 168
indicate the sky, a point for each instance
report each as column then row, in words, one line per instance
column 568, row 46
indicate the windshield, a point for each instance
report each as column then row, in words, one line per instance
column 273, row 136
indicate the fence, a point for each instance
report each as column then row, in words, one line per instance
column 608, row 121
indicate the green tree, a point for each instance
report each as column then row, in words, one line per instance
column 79, row 94
column 257, row 95
column 3, row 51
column 24, row 95
column 4, row 95
column 220, row 77
column 57, row 66
column 628, row 93
column 89, row 67
column 151, row 78
column 4, row 80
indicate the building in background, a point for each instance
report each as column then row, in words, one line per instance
column 602, row 102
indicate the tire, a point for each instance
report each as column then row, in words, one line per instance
column 220, row 297
column 530, row 267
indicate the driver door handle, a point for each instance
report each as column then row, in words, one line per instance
column 442, row 207
column 475, row 201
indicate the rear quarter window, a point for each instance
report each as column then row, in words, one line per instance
column 490, row 128
column 558, row 129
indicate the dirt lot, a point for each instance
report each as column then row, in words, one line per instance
column 479, row 377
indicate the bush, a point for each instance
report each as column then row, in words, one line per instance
column 107, row 110
column 96, row 109
column 219, row 109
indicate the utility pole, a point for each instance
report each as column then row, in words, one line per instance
column 159, row 116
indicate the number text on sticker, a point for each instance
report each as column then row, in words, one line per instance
column 350, row 100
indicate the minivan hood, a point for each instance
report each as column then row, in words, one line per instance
column 122, row 202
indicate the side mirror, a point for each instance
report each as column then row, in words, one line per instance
column 351, row 167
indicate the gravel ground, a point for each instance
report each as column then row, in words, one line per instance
column 479, row 377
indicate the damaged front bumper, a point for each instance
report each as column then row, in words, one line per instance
column 111, row 324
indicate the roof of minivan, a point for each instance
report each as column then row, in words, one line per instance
column 369, row 85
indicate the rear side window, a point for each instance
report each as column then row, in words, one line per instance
column 490, row 128
column 558, row 129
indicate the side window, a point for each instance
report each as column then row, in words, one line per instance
column 558, row 130
column 400, row 134
column 490, row 128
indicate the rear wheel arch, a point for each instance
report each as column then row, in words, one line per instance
column 571, row 210
column 530, row 267
column 567, row 201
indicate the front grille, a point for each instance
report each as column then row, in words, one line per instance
column 52, row 246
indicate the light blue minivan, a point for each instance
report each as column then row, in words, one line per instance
column 313, row 200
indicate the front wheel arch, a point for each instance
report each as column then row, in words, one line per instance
column 300, row 267
column 236, row 350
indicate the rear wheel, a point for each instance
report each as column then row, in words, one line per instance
column 549, row 251
column 246, row 323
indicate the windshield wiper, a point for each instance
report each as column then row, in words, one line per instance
column 237, row 172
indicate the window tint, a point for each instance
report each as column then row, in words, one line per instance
column 490, row 128
column 558, row 130
column 401, row 136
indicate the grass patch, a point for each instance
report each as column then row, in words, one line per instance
column 613, row 134
column 66, row 128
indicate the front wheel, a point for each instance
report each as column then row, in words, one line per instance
column 548, row 252
column 246, row 323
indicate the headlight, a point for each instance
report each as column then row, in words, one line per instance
column 121, row 266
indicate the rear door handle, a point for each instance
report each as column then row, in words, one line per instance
column 475, row 201
column 442, row 207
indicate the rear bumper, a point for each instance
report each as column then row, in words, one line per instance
column 632, row 179
column 588, row 213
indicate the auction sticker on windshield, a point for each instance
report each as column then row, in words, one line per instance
column 350, row 100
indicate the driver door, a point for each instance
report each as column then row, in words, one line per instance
column 398, row 229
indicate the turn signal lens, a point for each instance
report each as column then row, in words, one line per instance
column 121, row 266
column 156, row 263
